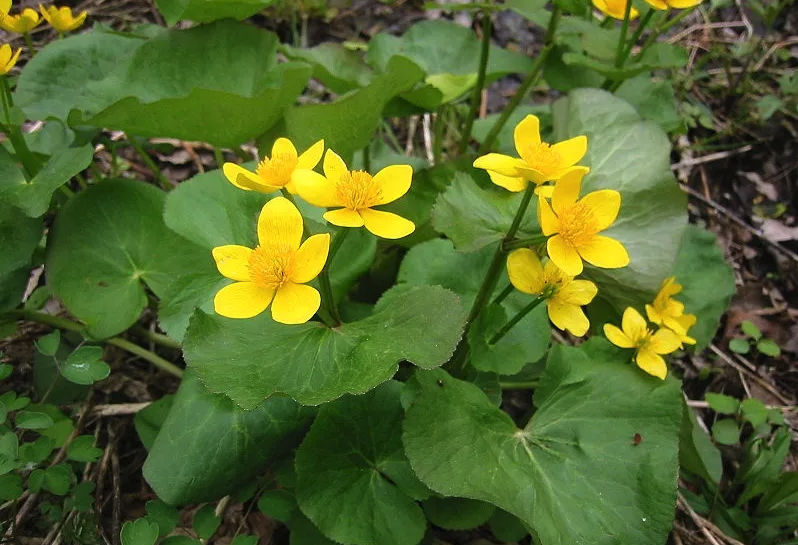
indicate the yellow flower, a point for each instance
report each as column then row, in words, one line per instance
column 575, row 224
column 539, row 162
column 5, row 7
column 648, row 346
column 276, row 271
column 61, row 18
column 357, row 192
column 668, row 312
column 615, row 8
column 8, row 58
column 275, row 172
column 21, row 23
column 685, row 322
column 676, row 4
column 564, row 295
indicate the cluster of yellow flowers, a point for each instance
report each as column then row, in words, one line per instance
column 617, row 8
column 60, row 18
column 276, row 271
column 664, row 311
column 572, row 224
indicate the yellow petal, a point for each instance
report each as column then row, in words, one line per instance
column 78, row 21
column 295, row 303
column 386, row 224
column 664, row 341
column 686, row 321
column 525, row 271
column 535, row 176
column 604, row 206
column 571, row 151
column 310, row 258
column 564, row 255
column 503, row 164
column 566, row 190
column 549, row 223
column 577, row 292
column 5, row 6
column 526, row 134
column 233, row 261
column 633, row 324
column 544, row 191
column 510, row 183
column 653, row 316
column 344, row 217
column 311, row 157
column 604, row 252
column 283, row 146
column 651, row 363
column 568, row 317
column 672, row 323
column 242, row 300
column 393, row 182
column 658, row 4
column 244, row 179
column 617, row 337
column 280, row 223
column 334, row 166
column 683, row 4
column 315, row 188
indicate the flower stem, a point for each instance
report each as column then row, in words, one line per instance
column 69, row 325
column 639, row 31
column 162, row 181
column 530, row 80
column 517, row 318
column 503, row 295
column 529, row 385
column 524, row 242
column 324, row 277
column 29, row 43
column 476, row 97
column 619, row 52
column 305, row 231
column 15, row 136
column 367, row 157
column 652, row 38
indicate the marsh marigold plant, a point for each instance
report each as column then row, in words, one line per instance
column 649, row 346
column 355, row 193
column 275, row 272
column 61, row 18
column 668, row 312
column 8, row 58
column 274, row 172
column 672, row 4
column 22, row 23
column 615, row 8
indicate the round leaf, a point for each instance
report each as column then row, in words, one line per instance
column 139, row 532
column 48, row 344
column 82, row 449
column 457, row 513
column 723, row 404
column 726, row 432
column 85, row 366
column 31, row 420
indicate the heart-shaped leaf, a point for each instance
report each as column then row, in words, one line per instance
column 354, row 481
column 85, row 365
column 313, row 363
column 576, row 472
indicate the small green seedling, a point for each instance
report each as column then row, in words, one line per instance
column 753, row 336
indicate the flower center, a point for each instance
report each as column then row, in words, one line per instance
column 542, row 157
column 277, row 170
column 577, row 224
column 270, row 266
column 643, row 338
column 357, row 190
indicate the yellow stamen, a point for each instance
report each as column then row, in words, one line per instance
column 542, row 157
column 577, row 224
column 356, row 190
column 271, row 266
column 277, row 169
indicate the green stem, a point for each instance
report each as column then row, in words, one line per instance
column 305, row 231
column 158, row 338
column 639, row 31
column 218, row 157
column 652, row 38
column 530, row 385
column 619, row 52
column 503, row 295
column 367, row 158
column 15, row 134
column 69, row 325
column 324, row 277
column 81, row 182
column 476, row 97
column 530, row 80
column 517, row 318
column 524, row 242
column 162, row 181
column 29, row 43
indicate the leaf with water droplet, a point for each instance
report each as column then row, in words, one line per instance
column 85, row 365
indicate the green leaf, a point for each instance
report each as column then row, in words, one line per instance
column 85, row 366
column 165, row 516
column 723, row 404
column 47, row 376
column 199, row 419
column 706, row 289
column 353, row 477
column 5, row 371
column 11, row 175
column 33, row 198
column 278, row 504
column 739, row 346
column 82, row 449
column 9, row 450
column 768, row 348
column 139, row 532
column 150, row 419
column 697, row 453
column 58, row 479
column 654, row 101
column 338, row 68
column 206, row 521
column 457, row 513
column 348, row 124
column 575, row 465
column 489, row 214
column 750, row 329
column 10, row 487
column 303, row 532
column 48, row 344
column 31, row 420
column 633, row 157
column 507, row 527
column 19, row 236
column 767, row 106
column 83, row 496
column 754, row 411
column 726, row 432
column 37, row 451
column 180, row 540
column 104, row 243
column 205, row 11
column 435, row 262
column 421, row 325
column 217, row 83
